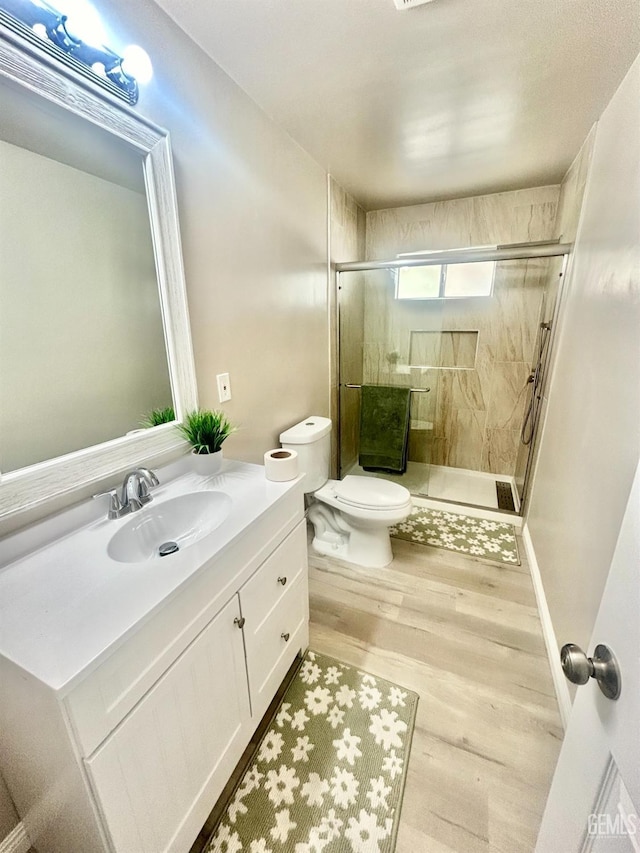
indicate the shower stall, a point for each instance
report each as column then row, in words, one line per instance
column 469, row 331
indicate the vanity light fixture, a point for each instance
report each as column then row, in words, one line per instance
column 81, row 48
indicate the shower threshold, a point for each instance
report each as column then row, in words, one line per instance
column 459, row 486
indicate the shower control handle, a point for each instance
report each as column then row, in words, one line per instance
column 603, row 666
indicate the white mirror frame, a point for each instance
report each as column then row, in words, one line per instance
column 38, row 73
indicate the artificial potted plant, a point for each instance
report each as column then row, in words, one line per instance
column 158, row 416
column 206, row 431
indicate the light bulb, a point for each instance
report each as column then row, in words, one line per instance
column 84, row 23
column 136, row 63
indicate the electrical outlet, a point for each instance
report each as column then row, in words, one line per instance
column 224, row 387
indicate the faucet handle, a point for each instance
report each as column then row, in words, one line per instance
column 115, row 506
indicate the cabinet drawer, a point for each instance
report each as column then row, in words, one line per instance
column 160, row 771
column 273, row 643
column 275, row 577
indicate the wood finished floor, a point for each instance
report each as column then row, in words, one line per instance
column 464, row 634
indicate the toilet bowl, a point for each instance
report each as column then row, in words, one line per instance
column 350, row 517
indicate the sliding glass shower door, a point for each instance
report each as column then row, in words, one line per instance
column 471, row 339
column 375, row 349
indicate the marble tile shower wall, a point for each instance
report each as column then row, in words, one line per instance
column 472, row 417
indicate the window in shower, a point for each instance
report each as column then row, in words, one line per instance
column 419, row 282
column 445, row 281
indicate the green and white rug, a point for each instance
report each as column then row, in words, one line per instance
column 478, row 537
column 329, row 773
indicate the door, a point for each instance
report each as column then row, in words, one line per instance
column 159, row 774
column 382, row 340
column 594, row 802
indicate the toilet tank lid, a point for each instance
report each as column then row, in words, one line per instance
column 308, row 430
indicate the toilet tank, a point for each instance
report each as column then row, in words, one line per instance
column 311, row 439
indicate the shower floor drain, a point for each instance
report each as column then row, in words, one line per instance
column 505, row 496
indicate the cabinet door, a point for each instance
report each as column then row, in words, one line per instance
column 159, row 774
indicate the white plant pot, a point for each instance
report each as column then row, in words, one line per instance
column 206, row 464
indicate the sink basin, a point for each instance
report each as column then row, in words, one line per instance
column 179, row 521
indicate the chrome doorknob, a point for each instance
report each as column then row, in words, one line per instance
column 603, row 666
column 577, row 667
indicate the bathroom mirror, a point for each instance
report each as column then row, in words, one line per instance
column 94, row 329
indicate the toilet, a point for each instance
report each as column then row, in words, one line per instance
column 350, row 517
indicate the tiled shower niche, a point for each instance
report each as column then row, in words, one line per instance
column 446, row 349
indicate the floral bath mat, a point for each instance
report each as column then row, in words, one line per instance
column 478, row 537
column 329, row 773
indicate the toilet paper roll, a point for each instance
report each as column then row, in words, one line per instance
column 281, row 465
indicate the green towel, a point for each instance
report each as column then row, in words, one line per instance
column 384, row 428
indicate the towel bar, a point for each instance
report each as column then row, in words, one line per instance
column 413, row 390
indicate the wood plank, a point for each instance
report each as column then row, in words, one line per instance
column 464, row 634
column 471, row 657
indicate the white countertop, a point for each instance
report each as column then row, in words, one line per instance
column 67, row 603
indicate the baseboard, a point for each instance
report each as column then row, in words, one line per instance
column 16, row 842
column 559, row 680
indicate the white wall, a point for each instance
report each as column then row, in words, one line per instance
column 591, row 440
column 253, row 216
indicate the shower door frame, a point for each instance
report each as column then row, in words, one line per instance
column 547, row 365
column 512, row 252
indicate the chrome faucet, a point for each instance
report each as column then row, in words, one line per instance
column 133, row 495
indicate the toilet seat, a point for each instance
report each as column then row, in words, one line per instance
column 371, row 493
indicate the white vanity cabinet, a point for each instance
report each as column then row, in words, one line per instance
column 179, row 745
column 131, row 755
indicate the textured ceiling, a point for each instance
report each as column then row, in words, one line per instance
column 454, row 98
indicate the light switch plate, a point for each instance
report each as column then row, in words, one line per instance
column 224, row 387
